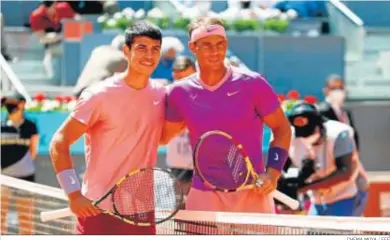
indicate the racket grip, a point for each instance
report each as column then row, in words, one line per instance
column 290, row 202
column 56, row 214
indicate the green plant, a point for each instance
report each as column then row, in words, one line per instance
column 276, row 25
column 246, row 25
column 181, row 23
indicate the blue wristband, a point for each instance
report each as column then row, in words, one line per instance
column 277, row 157
column 68, row 180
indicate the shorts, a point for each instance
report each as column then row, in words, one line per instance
column 182, row 174
column 104, row 224
column 248, row 201
column 341, row 208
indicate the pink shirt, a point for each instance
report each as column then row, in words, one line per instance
column 124, row 128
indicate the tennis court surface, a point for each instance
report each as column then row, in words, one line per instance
column 22, row 195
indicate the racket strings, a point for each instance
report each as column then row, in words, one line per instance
column 133, row 199
column 221, row 163
column 139, row 196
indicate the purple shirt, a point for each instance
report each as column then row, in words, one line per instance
column 236, row 106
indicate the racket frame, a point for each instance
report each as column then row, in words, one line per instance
column 179, row 200
column 121, row 180
column 249, row 166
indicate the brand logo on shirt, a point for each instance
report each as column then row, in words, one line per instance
column 156, row 102
column 229, row 94
column 276, row 157
column 193, row 96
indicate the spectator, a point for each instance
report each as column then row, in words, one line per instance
column 46, row 24
column 333, row 109
column 333, row 106
column 183, row 67
column 303, row 8
column 95, row 7
column 170, row 48
column 104, row 62
column 19, row 147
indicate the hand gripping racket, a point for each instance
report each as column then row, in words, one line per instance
column 223, row 165
column 143, row 197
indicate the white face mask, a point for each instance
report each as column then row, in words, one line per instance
column 337, row 97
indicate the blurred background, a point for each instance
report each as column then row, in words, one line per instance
column 296, row 45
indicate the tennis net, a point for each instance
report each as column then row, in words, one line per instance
column 30, row 199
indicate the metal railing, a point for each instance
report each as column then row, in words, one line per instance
column 347, row 24
column 10, row 82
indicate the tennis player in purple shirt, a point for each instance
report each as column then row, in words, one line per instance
column 233, row 100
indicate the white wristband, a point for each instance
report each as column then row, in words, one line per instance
column 68, row 180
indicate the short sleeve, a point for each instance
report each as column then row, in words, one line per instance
column 66, row 10
column 344, row 144
column 36, row 23
column 265, row 99
column 172, row 105
column 88, row 108
column 34, row 129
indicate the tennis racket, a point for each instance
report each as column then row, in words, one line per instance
column 143, row 197
column 223, row 165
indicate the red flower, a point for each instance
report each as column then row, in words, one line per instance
column 310, row 99
column 39, row 97
column 60, row 99
column 293, row 95
column 281, row 97
column 68, row 98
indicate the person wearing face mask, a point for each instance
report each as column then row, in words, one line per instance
column 19, row 147
column 326, row 151
column 333, row 106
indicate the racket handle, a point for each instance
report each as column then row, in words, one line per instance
column 56, row 214
column 290, row 202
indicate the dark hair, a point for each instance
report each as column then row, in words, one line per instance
column 183, row 62
column 312, row 113
column 332, row 78
column 142, row 29
column 48, row 3
column 203, row 21
column 12, row 98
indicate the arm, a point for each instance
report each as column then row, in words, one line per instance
column 47, row 38
column 34, row 142
column 174, row 121
column 267, row 106
column 170, row 130
column 85, row 114
column 70, row 131
column 279, row 147
column 345, row 167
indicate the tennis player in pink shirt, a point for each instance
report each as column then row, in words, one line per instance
column 234, row 100
column 122, row 120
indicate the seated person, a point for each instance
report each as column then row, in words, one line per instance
column 46, row 24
